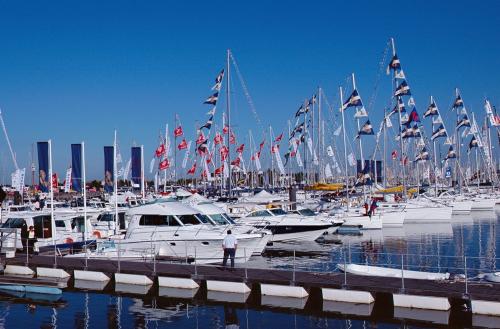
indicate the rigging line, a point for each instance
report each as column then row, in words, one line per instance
column 381, row 68
column 245, row 91
column 8, row 141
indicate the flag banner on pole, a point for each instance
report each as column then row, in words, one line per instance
column 243, row 167
column 329, row 151
column 17, row 178
column 186, row 155
column 43, row 166
column 151, row 165
column 351, row 160
column 280, row 163
column 338, row 131
column 67, row 180
column 298, row 159
column 225, row 169
column 108, row 169
column 205, row 169
column 257, row 163
column 126, row 171
column 328, row 171
column 76, row 167
column 135, row 156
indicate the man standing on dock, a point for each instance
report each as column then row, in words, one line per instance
column 229, row 244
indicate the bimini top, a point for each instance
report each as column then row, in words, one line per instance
column 163, row 208
column 208, row 208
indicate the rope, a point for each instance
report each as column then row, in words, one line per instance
column 8, row 141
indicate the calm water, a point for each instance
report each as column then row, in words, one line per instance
column 437, row 247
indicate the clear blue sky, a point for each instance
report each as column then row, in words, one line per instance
column 74, row 71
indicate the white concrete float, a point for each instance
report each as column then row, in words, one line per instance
column 422, row 302
column 433, row 316
column 284, row 302
column 48, row 272
column 91, row 276
column 140, row 280
column 485, row 307
column 283, row 291
column 177, row 292
column 359, row 309
column 228, row 286
column 485, row 321
column 90, row 285
column 132, row 288
column 349, row 296
column 18, row 270
column 180, row 283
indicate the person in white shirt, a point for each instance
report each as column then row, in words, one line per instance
column 229, row 244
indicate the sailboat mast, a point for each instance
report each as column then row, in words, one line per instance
column 115, row 187
column 228, row 111
column 434, row 154
column 345, row 149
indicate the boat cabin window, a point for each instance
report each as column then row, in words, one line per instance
column 188, row 219
column 158, row 220
column 277, row 211
column 204, row 219
column 219, row 219
column 18, row 208
column 78, row 223
column 107, row 217
column 306, row 212
column 60, row 223
column 259, row 213
column 43, row 226
column 13, row 223
column 229, row 219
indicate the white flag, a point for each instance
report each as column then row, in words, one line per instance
column 127, row 170
column 328, row 171
column 329, row 151
column 298, row 158
column 361, row 113
column 310, row 145
column 337, row 131
column 257, row 163
column 388, row 122
column 351, row 160
column 226, row 169
column 151, row 165
column 437, row 120
column 243, row 167
column 186, row 155
column 67, row 180
column 280, row 163
column 400, row 75
column 411, row 102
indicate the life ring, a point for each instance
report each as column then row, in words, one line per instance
column 68, row 240
column 97, row 234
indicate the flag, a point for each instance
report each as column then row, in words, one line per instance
column 275, row 148
column 464, row 122
column 164, row 164
column 473, row 142
column 224, row 151
column 458, row 102
column 55, row 180
column 186, row 155
column 423, row 155
column 278, row 139
column 367, row 129
column 240, row 148
column 411, row 102
column 182, row 145
column 208, row 124
column 361, row 113
column 151, row 165
column 67, row 180
column 300, row 111
column 451, row 153
column 219, row 170
column 108, row 169
column 338, row 131
column 388, row 122
column 394, row 155
column 400, row 75
column 413, row 117
column 212, row 99
column 261, row 145
column 403, row 89
column 351, row 159
column 232, row 138
column 218, row 81
column 328, row 171
column 416, row 131
column 192, row 170
column 76, row 167
column 279, row 162
column 432, row 110
column 218, row 139
column 407, row 133
column 203, row 147
column 212, row 111
column 201, row 138
column 329, row 151
column 225, row 130
column 353, row 100
column 236, row 162
column 136, row 164
column 178, row 131
column 440, row 132
column 394, row 64
column 160, row 150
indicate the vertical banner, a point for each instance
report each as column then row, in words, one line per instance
column 136, row 165
column 43, row 166
column 76, row 167
column 108, row 169
column 67, row 181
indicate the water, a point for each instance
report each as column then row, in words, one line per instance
column 435, row 247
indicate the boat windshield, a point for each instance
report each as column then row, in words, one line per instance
column 260, row 213
column 219, row 219
column 277, row 211
column 188, row 219
column 306, row 212
column 228, row 218
column 13, row 223
column 204, row 219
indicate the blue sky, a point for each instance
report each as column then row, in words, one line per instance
column 74, row 71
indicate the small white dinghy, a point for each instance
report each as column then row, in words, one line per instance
column 391, row 272
column 492, row 277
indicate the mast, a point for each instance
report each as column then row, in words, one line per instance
column 458, row 143
column 345, row 149
column 52, row 220
column 320, row 153
column 115, row 187
column 166, row 155
column 228, row 110
column 175, row 149
column 434, row 154
column 384, row 127
column 84, row 186
column 271, row 177
column 143, row 183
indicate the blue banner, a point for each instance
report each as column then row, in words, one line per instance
column 108, row 169
column 43, row 166
column 76, row 167
column 136, row 165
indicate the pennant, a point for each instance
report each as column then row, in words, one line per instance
column 300, row 111
column 236, row 162
column 212, row 111
column 186, row 155
column 458, row 102
column 464, row 122
column 388, row 122
column 411, row 102
column 279, row 162
column 329, row 151
column 403, row 89
column 164, row 164
column 212, row 99
column 203, row 147
column 224, row 151
column 394, row 155
column 394, row 64
column 225, row 130
column 201, row 138
column 413, row 117
column 208, row 124
column 278, row 139
column 232, row 138
column 361, row 113
column 440, row 132
column 451, row 153
column 338, row 131
column 192, row 170
column 178, row 131
column 256, row 159
column 353, row 100
column 423, row 155
column 275, row 148
column 473, row 143
column 400, row 75
column 367, row 129
column 240, row 148
column 218, row 81
column 218, row 139
column 432, row 110
column 160, row 150
column 437, row 120
column 152, row 165
column 182, row 145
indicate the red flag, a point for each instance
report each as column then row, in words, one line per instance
column 232, row 138
column 278, row 139
column 209, row 158
column 201, row 139
column 178, row 131
column 261, row 145
column 293, row 153
column 224, row 151
column 240, row 148
column 236, row 162
column 165, row 164
column 394, row 155
column 218, row 139
column 405, row 160
column 225, row 130
column 192, row 170
column 54, row 180
column 160, row 150
column 275, row 148
column 182, row 145
column 219, row 170
column 255, row 156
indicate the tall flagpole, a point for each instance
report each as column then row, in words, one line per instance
column 52, row 220
column 115, row 187
column 166, row 155
column 228, row 109
column 84, row 186
column 345, row 149
column 175, row 150
column 143, row 183
column 434, row 152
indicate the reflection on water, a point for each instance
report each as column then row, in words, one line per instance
column 432, row 247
